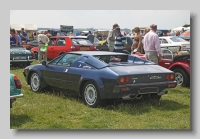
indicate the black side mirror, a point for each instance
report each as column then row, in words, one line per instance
column 44, row 63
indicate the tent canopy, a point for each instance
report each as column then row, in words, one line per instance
column 25, row 26
column 178, row 29
column 30, row 27
column 17, row 27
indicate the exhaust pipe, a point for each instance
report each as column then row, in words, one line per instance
column 138, row 96
column 132, row 95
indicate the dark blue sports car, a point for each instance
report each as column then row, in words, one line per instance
column 98, row 76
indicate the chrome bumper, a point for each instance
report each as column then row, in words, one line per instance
column 15, row 96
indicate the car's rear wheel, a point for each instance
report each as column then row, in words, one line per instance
column 181, row 77
column 90, row 95
column 35, row 82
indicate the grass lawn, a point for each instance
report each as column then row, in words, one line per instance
column 55, row 110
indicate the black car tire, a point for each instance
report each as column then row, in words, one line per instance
column 90, row 95
column 181, row 77
column 35, row 82
column 155, row 96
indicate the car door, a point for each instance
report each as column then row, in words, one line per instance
column 51, row 45
column 59, row 47
column 56, row 73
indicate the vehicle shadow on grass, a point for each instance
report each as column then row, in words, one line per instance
column 18, row 120
column 143, row 105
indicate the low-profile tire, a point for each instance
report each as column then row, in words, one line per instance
column 181, row 77
column 35, row 82
column 155, row 96
column 90, row 95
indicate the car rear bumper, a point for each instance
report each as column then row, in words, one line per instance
column 16, row 96
column 18, row 60
column 120, row 91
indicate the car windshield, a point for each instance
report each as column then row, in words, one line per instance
column 83, row 41
column 177, row 39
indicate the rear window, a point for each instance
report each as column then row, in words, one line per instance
column 79, row 41
column 112, row 58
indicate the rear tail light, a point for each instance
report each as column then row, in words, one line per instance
column 169, row 77
column 93, row 48
column 124, row 80
column 172, row 85
column 73, row 48
column 17, row 82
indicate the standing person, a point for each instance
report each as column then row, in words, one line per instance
column 120, row 41
column 42, row 40
column 90, row 37
column 152, row 45
column 18, row 37
column 111, row 38
column 23, row 35
column 137, row 45
column 13, row 37
column 48, row 33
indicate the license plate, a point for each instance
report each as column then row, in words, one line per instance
column 22, row 57
column 84, row 48
column 148, row 90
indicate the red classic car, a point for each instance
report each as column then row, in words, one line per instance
column 61, row 44
column 179, row 63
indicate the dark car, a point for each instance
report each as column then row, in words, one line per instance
column 127, row 49
column 98, row 76
column 20, row 55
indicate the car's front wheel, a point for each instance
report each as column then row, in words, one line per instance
column 35, row 82
column 90, row 95
column 181, row 77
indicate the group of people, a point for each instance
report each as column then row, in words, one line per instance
column 150, row 46
column 16, row 37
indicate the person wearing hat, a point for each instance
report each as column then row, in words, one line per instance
column 152, row 45
column 42, row 40
column 120, row 41
column 111, row 38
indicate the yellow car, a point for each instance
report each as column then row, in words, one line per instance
column 102, row 42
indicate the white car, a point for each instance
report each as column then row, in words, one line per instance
column 174, row 43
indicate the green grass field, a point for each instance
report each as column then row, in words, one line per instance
column 55, row 110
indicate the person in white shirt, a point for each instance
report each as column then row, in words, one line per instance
column 42, row 40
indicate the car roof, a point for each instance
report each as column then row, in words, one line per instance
column 96, row 53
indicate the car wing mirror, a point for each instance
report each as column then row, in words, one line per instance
column 44, row 63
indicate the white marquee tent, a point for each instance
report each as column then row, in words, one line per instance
column 178, row 29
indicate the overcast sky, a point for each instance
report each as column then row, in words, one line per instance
column 165, row 19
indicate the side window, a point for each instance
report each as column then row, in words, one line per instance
column 68, row 59
column 61, row 42
column 164, row 41
column 52, row 41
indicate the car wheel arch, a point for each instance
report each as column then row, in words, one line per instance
column 83, row 83
column 62, row 53
column 43, row 84
column 186, row 77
